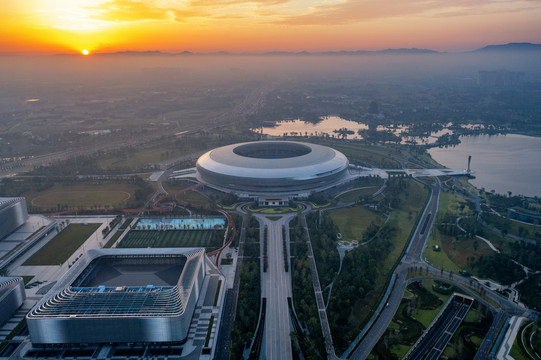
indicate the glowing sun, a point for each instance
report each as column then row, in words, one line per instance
column 85, row 52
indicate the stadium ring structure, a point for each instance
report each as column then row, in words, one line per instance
column 269, row 167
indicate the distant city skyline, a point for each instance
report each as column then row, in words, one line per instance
column 69, row 26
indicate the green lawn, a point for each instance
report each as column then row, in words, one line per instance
column 453, row 203
column 63, row 245
column 405, row 219
column 400, row 350
column 453, row 253
column 367, row 158
column 192, row 197
column 113, row 239
column 426, row 317
column 381, row 150
column 438, row 259
column 83, row 196
column 353, row 195
column 353, row 221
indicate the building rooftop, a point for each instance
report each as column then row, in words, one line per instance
column 5, row 201
column 114, row 271
column 124, row 282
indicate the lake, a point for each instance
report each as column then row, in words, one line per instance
column 502, row 163
column 330, row 124
column 326, row 126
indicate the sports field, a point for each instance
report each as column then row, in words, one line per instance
column 63, row 245
column 83, row 196
column 209, row 239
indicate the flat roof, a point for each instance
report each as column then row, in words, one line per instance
column 124, row 282
column 115, row 271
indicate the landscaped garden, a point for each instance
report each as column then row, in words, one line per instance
column 365, row 269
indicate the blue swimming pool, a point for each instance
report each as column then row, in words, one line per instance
column 181, row 224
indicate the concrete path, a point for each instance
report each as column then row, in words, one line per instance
column 509, row 339
column 325, row 328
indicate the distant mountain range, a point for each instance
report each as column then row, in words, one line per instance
column 511, row 47
column 508, row 48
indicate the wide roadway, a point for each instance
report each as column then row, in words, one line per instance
column 276, row 287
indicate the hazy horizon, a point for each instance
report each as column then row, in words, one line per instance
column 57, row 26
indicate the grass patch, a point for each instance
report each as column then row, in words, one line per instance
column 359, row 154
column 192, row 197
column 426, row 316
column 27, row 279
column 226, row 261
column 400, row 350
column 228, row 207
column 354, row 195
column 453, row 203
column 405, row 218
column 318, row 206
column 209, row 331
column 113, row 239
column 374, row 156
column 353, row 230
column 83, row 196
column 454, row 252
column 217, row 295
column 438, row 259
column 63, row 245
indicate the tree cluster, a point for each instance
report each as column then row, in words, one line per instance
column 498, row 267
column 361, row 268
column 323, row 237
column 249, row 296
column 304, row 298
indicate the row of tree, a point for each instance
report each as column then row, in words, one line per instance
column 249, row 296
column 311, row 340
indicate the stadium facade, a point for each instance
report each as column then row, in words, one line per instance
column 13, row 214
column 271, row 167
column 122, row 296
column 12, row 296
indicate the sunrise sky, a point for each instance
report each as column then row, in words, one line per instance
column 69, row 26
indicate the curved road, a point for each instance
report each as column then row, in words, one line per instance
column 413, row 258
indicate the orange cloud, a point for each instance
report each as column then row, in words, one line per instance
column 263, row 25
column 128, row 11
column 354, row 11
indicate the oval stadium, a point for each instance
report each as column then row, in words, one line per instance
column 271, row 167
